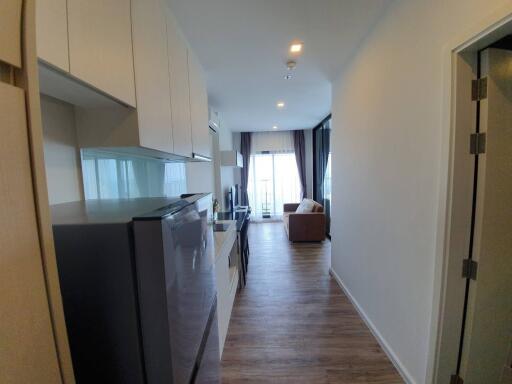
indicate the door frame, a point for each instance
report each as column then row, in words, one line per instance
column 315, row 163
column 459, row 68
column 319, row 125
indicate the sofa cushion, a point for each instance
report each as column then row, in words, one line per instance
column 305, row 206
column 308, row 206
column 318, row 207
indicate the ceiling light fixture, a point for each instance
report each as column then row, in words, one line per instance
column 296, row 48
column 288, row 76
column 280, row 104
column 274, row 127
column 290, row 65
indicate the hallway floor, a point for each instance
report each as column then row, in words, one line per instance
column 293, row 324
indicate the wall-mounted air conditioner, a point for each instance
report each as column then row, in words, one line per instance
column 214, row 119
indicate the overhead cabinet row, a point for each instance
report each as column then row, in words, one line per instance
column 132, row 52
column 92, row 41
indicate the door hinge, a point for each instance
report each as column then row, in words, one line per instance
column 477, row 143
column 479, row 89
column 469, row 269
column 456, row 379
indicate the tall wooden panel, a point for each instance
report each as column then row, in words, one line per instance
column 27, row 79
column 27, row 343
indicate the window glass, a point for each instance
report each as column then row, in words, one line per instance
column 112, row 176
column 273, row 181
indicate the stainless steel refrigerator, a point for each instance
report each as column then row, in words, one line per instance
column 138, row 285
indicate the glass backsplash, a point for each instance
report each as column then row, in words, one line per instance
column 108, row 175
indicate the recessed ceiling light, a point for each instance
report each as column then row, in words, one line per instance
column 274, row 127
column 296, row 48
column 280, row 104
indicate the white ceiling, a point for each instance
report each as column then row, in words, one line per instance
column 243, row 47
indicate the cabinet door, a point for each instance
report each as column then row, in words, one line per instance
column 27, row 343
column 152, row 75
column 10, row 32
column 100, row 46
column 52, row 33
column 180, row 91
column 198, row 108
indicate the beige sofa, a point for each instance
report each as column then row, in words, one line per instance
column 305, row 226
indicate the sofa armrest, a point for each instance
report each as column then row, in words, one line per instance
column 306, row 226
column 290, row 207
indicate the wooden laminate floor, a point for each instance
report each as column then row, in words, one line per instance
column 293, row 324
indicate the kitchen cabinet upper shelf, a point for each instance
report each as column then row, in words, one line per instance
column 130, row 71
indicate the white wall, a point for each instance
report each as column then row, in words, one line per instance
column 387, row 146
column 61, row 155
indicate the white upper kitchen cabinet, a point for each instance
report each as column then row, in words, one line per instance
column 198, row 108
column 100, row 46
column 152, row 75
column 52, row 33
column 179, row 86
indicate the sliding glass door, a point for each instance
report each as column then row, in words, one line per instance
column 273, row 181
column 322, row 167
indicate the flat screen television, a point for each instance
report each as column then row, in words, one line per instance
column 233, row 197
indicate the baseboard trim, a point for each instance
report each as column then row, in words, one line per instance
column 382, row 342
